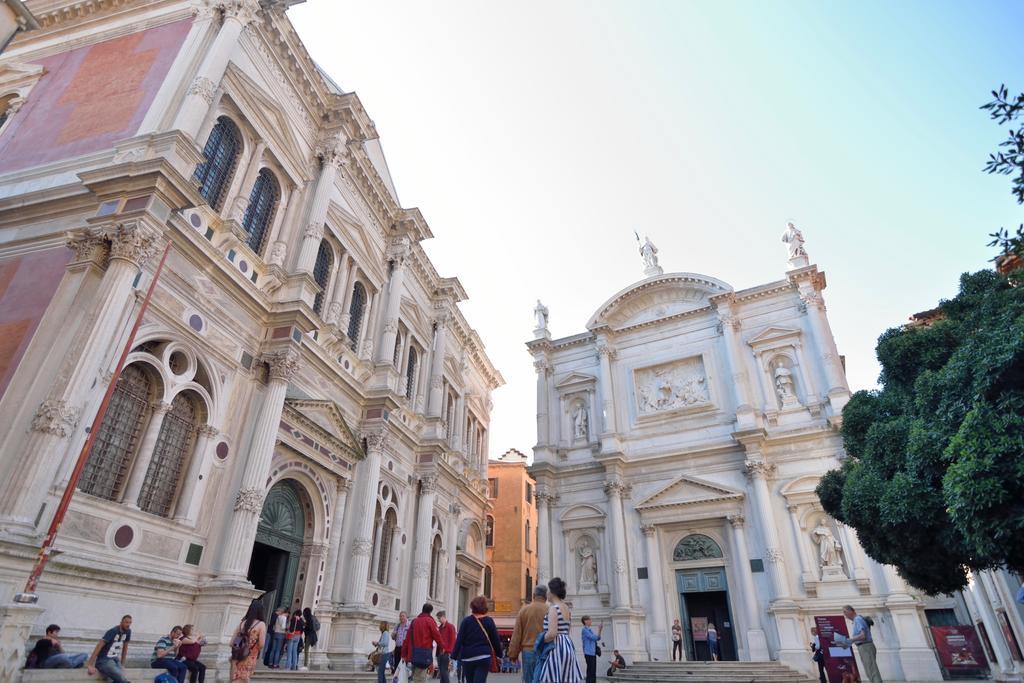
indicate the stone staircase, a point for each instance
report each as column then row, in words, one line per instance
column 285, row 676
column 711, row 672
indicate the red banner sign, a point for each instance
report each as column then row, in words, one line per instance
column 699, row 626
column 839, row 661
column 959, row 647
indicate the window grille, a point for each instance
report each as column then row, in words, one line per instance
column 355, row 310
column 221, row 156
column 435, row 566
column 118, row 438
column 171, row 453
column 386, row 538
column 410, row 374
column 322, row 273
column 260, row 213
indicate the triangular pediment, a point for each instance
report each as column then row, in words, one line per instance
column 773, row 333
column 325, row 422
column 685, row 490
column 574, row 379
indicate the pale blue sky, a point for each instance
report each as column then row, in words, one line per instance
column 537, row 136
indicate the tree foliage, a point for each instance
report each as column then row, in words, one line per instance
column 1008, row 161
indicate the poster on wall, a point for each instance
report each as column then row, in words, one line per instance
column 959, row 648
column 839, row 661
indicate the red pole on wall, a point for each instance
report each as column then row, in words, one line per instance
column 29, row 594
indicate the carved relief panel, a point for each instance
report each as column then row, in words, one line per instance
column 676, row 385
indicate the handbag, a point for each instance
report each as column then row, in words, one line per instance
column 597, row 650
column 495, row 664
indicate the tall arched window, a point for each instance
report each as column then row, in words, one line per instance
column 170, row 456
column 487, row 582
column 435, row 566
column 490, row 531
column 355, row 311
column 118, row 438
column 410, row 373
column 322, row 273
column 398, row 351
column 386, row 538
column 220, row 158
column 260, row 213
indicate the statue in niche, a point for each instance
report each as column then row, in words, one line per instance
column 829, row 550
column 784, row 386
column 540, row 312
column 794, row 239
column 588, row 565
column 580, row 422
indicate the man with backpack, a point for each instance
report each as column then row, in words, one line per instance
column 418, row 648
column 865, row 643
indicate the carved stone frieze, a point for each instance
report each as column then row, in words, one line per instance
column 55, row 416
column 671, row 386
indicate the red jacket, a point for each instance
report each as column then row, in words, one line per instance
column 422, row 633
column 447, row 643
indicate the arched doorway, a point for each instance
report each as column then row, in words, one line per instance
column 703, row 595
column 279, row 538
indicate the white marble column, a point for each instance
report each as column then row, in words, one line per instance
column 757, row 643
column 544, row 564
column 758, row 473
column 421, row 550
column 158, row 410
column 368, row 476
column 336, row 311
column 982, row 604
column 277, row 252
column 399, row 255
column 316, row 217
column 436, row 398
column 451, row 544
column 241, row 201
column 835, row 377
column 236, row 548
column 801, row 545
column 614, row 488
column 332, row 577
column 543, row 368
column 198, row 469
column 737, row 364
column 658, row 622
column 605, row 354
column 123, row 249
column 237, row 15
column 854, row 553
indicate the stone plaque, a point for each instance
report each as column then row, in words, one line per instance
column 672, row 386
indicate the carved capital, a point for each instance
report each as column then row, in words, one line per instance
column 242, row 11
column 56, row 417
column 160, row 407
column 759, row 470
column 333, row 313
column 89, row 247
column 728, row 320
column 314, row 231
column 648, row 530
column 420, row 570
column 203, row 87
column 133, row 242
column 361, row 547
column 736, row 521
column 614, row 487
column 774, row 555
column 457, row 509
column 606, row 349
column 428, row 483
column 391, row 325
column 249, row 500
column 344, row 484
column 620, row 566
column 376, row 441
column 542, row 367
column 812, row 299
column 209, row 431
column 284, row 364
column 436, row 382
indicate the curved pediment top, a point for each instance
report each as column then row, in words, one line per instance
column 656, row 298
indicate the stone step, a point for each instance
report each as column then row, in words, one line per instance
column 281, row 675
column 711, row 672
column 80, row 675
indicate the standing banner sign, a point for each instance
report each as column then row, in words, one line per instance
column 839, row 661
column 700, row 628
column 959, row 648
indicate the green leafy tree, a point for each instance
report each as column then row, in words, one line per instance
column 934, row 483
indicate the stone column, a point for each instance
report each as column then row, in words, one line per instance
column 367, row 332
column 332, row 578
column 737, row 364
column 330, row 161
column 145, row 454
column 237, row 544
column 277, row 252
column 237, row 15
column 421, row 551
column 801, row 546
column 614, row 488
column 195, row 474
column 835, row 377
column 195, row 480
column 757, row 643
column 337, row 314
column 543, row 368
column 436, row 400
column 605, row 354
column 978, row 596
column 362, row 546
column 854, row 555
column 124, row 248
column 399, row 254
column 544, row 565
column 452, row 544
column 241, row 201
column 658, row 622
column 758, row 473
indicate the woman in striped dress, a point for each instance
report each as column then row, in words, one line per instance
column 561, row 665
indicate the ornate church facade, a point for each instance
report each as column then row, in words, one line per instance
column 680, row 440
column 304, row 412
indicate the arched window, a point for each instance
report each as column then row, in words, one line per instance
column 260, row 213
column 170, row 456
column 118, row 438
column 410, row 374
column 398, row 351
column 435, row 566
column 220, row 158
column 386, row 538
column 487, row 582
column 696, row 547
column 322, row 273
column 355, row 311
column 490, row 532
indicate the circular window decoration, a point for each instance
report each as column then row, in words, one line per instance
column 391, row 466
column 403, row 539
column 374, row 599
column 178, row 362
column 124, row 536
column 196, row 221
column 346, row 364
column 222, row 451
column 243, row 266
column 385, row 491
column 195, row 321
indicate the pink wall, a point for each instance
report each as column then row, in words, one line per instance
column 27, row 284
column 90, row 97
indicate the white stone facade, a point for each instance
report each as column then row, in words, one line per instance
column 711, row 415
column 305, row 406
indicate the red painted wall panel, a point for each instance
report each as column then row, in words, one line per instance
column 90, row 97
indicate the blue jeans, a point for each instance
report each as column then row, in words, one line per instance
column 529, row 658
column 293, row 654
column 477, row 670
column 172, row 666
column 63, row 661
column 111, row 670
column 276, row 647
column 385, row 658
